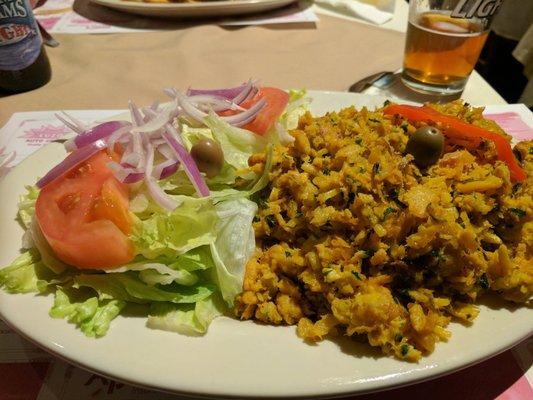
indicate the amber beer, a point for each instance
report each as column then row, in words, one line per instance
column 441, row 50
column 443, row 44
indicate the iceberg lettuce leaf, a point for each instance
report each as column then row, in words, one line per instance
column 237, row 144
column 186, row 319
column 89, row 313
column 26, row 205
column 170, row 234
column 28, row 274
column 129, row 287
column 234, row 245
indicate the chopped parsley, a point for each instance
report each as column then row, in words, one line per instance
column 334, row 118
column 388, row 210
column 398, row 337
column 287, row 254
column 375, row 168
column 357, row 275
column 362, row 170
column 393, row 195
column 483, row 282
column 358, row 141
column 530, row 150
column 299, row 214
column 326, row 171
column 404, row 349
column 518, row 211
column 369, row 253
column 271, row 221
column 262, row 202
column 437, row 254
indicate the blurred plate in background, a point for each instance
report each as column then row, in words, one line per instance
column 196, row 9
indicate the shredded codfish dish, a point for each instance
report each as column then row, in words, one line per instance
column 359, row 234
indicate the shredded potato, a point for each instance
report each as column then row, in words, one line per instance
column 354, row 238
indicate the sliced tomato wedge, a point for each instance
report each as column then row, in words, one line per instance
column 277, row 101
column 85, row 216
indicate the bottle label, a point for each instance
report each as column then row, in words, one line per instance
column 20, row 39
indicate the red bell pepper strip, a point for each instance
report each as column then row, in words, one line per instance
column 462, row 132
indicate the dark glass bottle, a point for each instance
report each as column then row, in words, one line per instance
column 24, row 64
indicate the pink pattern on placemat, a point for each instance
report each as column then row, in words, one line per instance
column 43, row 134
column 512, row 123
column 49, row 22
column 520, row 390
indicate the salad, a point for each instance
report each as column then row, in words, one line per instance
column 152, row 212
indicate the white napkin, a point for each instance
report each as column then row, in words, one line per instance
column 375, row 11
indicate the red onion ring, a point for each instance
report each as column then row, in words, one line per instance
column 68, row 124
column 228, row 93
column 171, row 92
column 239, row 119
column 75, row 121
column 165, row 169
column 136, row 116
column 100, row 131
column 247, row 116
column 170, row 135
column 124, row 174
column 159, row 121
column 132, row 158
column 158, row 194
column 248, row 88
column 215, row 103
column 73, row 159
column 166, row 151
column 118, row 136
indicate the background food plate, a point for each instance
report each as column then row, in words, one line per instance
column 237, row 358
column 198, row 9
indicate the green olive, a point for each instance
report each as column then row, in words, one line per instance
column 208, row 157
column 426, row 145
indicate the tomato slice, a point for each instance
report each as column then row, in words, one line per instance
column 85, row 217
column 277, row 100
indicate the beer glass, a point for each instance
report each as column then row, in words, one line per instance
column 444, row 40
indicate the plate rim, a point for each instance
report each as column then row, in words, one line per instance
column 197, row 5
column 391, row 384
column 339, row 390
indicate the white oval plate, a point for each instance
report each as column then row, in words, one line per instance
column 199, row 9
column 236, row 358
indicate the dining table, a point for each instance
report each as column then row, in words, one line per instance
column 105, row 71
